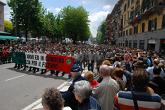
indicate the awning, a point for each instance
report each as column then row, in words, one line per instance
column 8, row 37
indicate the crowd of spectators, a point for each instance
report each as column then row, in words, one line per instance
column 127, row 79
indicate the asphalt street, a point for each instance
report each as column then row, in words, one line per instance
column 19, row 89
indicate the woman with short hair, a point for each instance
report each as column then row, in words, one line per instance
column 52, row 100
column 89, row 76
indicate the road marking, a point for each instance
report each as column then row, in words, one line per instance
column 14, row 78
column 29, row 107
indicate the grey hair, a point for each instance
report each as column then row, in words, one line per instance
column 82, row 89
column 105, row 70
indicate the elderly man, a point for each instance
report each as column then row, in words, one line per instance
column 82, row 92
column 68, row 95
column 107, row 89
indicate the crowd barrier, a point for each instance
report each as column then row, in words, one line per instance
column 44, row 61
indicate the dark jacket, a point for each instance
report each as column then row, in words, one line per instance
column 89, row 104
column 158, row 85
column 69, row 97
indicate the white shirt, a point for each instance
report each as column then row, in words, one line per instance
column 67, row 108
column 150, row 71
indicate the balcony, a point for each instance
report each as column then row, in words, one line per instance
column 149, row 8
column 135, row 19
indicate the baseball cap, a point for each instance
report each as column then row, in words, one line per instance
column 75, row 68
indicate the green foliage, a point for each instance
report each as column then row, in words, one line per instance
column 8, row 26
column 26, row 16
column 101, row 32
column 29, row 16
column 75, row 23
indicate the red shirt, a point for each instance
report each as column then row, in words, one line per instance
column 94, row 83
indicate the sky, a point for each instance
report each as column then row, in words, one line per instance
column 98, row 9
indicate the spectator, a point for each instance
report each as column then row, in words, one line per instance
column 161, row 65
column 150, row 69
column 128, row 76
column 107, row 89
column 108, row 63
column 158, row 83
column 139, row 65
column 118, row 75
column 90, row 77
column 82, row 92
column 68, row 95
column 52, row 100
column 140, row 98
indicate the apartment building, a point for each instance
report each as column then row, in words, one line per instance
column 2, row 16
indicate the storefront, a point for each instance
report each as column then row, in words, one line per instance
column 141, row 44
column 151, row 44
column 126, row 43
column 162, row 46
column 134, row 43
column 130, row 43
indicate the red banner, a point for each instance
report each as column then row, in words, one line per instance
column 59, row 63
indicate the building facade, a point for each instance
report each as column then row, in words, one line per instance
column 114, row 22
column 142, row 24
column 2, row 16
column 109, row 28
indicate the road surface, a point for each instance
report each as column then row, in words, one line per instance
column 19, row 89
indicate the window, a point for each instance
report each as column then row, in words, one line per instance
column 0, row 17
column 130, row 31
column 141, row 44
column 125, row 7
column 155, row 24
column 126, row 32
column 152, row 25
column 126, row 43
column 143, row 27
column 130, row 44
column 136, row 30
column 132, row 14
column 134, row 43
column 163, row 22
column 129, row 2
column 123, row 33
column 149, row 25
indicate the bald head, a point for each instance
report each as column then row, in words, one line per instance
column 105, row 70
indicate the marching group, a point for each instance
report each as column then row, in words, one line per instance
column 128, row 79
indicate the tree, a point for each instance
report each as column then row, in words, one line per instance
column 29, row 16
column 75, row 23
column 8, row 26
column 26, row 15
column 52, row 26
column 101, row 33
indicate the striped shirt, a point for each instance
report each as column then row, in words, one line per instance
column 123, row 101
